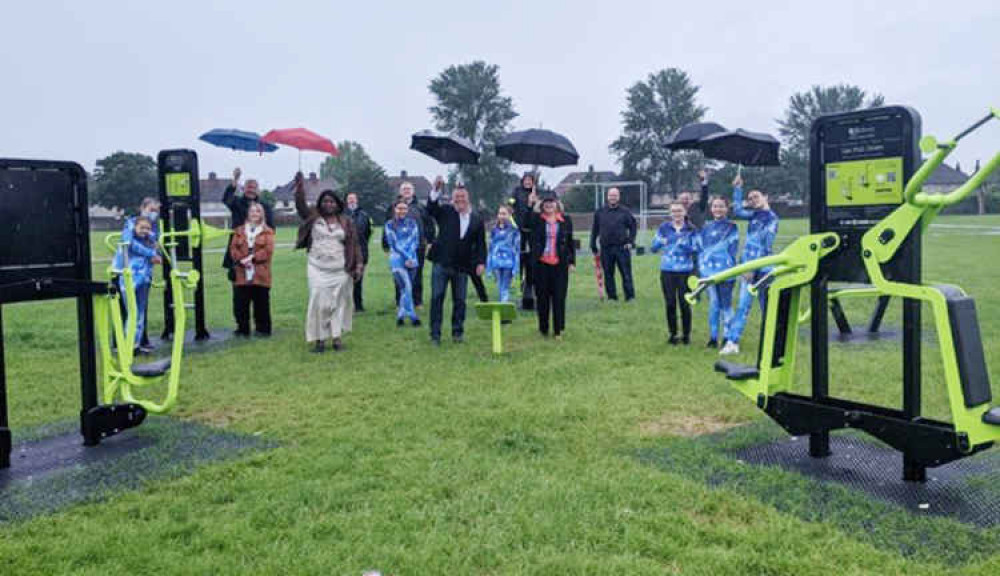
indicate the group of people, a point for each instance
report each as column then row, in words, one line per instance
column 531, row 239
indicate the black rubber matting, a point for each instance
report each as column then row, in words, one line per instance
column 217, row 338
column 967, row 490
column 54, row 470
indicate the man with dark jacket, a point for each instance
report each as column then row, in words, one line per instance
column 460, row 247
column 239, row 207
column 522, row 213
column 363, row 227
column 427, row 234
column 615, row 227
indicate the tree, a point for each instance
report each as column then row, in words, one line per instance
column 658, row 107
column 469, row 102
column 123, row 179
column 357, row 172
column 794, row 127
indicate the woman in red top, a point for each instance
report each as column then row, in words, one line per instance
column 553, row 256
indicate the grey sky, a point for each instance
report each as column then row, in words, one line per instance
column 83, row 79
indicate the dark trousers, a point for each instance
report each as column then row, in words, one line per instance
column 359, row 301
column 551, row 283
column 612, row 256
column 418, row 281
column 674, row 286
column 441, row 277
column 527, row 273
column 259, row 297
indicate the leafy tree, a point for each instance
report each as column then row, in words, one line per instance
column 803, row 109
column 658, row 107
column 123, row 179
column 357, row 172
column 470, row 103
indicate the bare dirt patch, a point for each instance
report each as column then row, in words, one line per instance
column 687, row 425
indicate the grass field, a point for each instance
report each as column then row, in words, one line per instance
column 397, row 456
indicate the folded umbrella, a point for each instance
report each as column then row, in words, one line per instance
column 537, row 147
column 742, row 147
column 689, row 136
column 445, row 148
column 237, row 140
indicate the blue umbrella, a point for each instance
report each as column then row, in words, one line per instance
column 237, row 140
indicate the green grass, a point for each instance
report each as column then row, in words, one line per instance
column 414, row 460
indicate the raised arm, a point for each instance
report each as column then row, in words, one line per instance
column 703, row 199
column 229, row 196
column 300, row 197
column 738, row 210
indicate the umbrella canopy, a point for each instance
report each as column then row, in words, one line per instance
column 445, row 148
column 742, row 147
column 302, row 139
column 689, row 137
column 237, row 140
column 538, row 147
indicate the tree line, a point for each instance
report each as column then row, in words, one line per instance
column 469, row 101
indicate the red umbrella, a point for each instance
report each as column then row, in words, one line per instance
column 302, row 139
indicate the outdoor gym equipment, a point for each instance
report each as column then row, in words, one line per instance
column 120, row 374
column 867, row 228
column 497, row 313
column 46, row 255
column 180, row 208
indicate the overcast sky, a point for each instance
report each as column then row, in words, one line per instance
column 80, row 80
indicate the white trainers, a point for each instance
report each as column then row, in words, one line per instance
column 730, row 348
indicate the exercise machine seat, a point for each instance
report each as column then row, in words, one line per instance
column 152, row 369
column 992, row 416
column 734, row 371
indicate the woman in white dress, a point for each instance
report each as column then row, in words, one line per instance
column 335, row 262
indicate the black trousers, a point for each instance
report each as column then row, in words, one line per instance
column 259, row 297
column 527, row 273
column 441, row 277
column 551, row 283
column 418, row 281
column 359, row 301
column 674, row 286
column 617, row 256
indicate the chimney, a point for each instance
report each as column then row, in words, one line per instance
column 312, row 176
column 211, row 175
column 402, row 174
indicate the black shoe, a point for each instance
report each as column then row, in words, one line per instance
column 674, row 340
column 399, row 323
column 359, row 308
column 544, row 334
column 338, row 345
column 506, row 321
column 712, row 344
column 416, row 322
column 319, row 348
column 435, row 341
column 686, row 340
column 457, row 339
column 241, row 334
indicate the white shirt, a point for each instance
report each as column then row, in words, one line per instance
column 463, row 217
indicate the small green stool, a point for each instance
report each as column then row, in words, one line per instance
column 497, row 312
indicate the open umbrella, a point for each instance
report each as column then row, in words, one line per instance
column 538, row 147
column 445, row 148
column 302, row 139
column 689, row 137
column 742, row 147
column 237, row 140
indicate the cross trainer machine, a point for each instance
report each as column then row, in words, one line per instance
column 866, row 227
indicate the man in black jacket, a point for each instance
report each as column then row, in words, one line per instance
column 427, row 234
column 239, row 207
column 460, row 247
column 615, row 226
column 522, row 213
column 363, row 227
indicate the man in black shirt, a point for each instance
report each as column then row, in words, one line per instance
column 615, row 227
column 363, row 226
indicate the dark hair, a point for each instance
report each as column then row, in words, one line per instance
column 332, row 194
column 142, row 218
column 723, row 198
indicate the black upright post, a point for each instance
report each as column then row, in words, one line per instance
column 878, row 314
column 88, row 366
column 5, row 444
column 819, row 442
column 912, row 471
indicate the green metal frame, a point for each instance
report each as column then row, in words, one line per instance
column 796, row 267
column 117, row 377
column 496, row 313
column 793, row 269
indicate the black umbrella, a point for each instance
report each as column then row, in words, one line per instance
column 742, row 147
column 445, row 148
column 538, row 148
column 689, row 137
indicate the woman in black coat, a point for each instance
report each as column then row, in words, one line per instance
column 553, row 257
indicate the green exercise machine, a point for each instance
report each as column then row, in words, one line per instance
column 866, row 227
